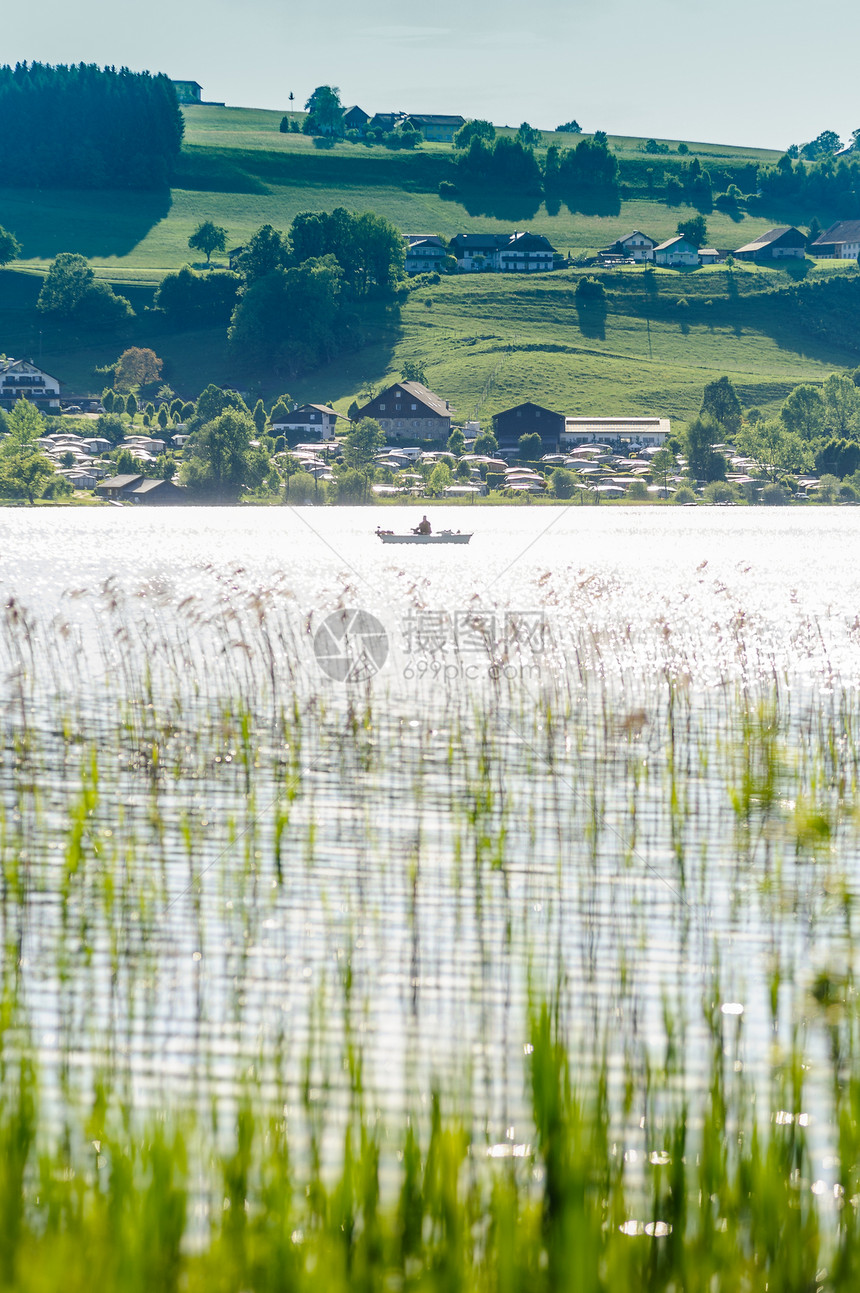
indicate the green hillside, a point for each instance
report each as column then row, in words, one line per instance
column 487, row 340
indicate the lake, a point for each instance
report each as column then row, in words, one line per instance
column 274, row 793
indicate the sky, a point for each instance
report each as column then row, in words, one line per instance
column 766, row 74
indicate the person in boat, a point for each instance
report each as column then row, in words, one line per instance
column 423, row 527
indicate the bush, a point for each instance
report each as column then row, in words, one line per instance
column 774, row 496
column 190, row 295
column 637, row 490
column 684, row 495
column 447, row 189
column 719, row 491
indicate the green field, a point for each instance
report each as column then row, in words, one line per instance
column 486, row 341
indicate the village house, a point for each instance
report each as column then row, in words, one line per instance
column 634, row 246
column 20, row 378
column 676, row 253
column 436, row 129
column 424, row 252
column 355, row 118
column 385, row 121
column 708, row 256
column 526, row 419
column 141, row 489
column 840, row 242
column 188, row 91
column 309, row 420
column 777, row 244
column 518, row 252
column 615, row 431
column 409, row 411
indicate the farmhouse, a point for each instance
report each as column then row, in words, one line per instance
column 385, row 121
column 776, row 244
column 676, row 252
column 841, row 241
column 518, row 252
column 309, row 420
column 615, row 431
column 436, row 129
column 525, row 419
column 20, row 378
column 355, row 118
column 424, row 252
column 141, row 489
column 408, row 410
column 636, row 246
column 188, row 91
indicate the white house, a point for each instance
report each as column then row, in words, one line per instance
column 612, row 431
column 520, row 252
column 841, row 241
column 21, row 378
column 309, row 420
column 634, row 246
column 424, row 252
column 677, row 253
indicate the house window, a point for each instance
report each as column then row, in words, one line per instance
column 414, row 407
column 382, row 408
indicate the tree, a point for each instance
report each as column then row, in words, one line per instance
column 803, row 412
column 777, row 450
column 413, row 370
column 163, row 417
column 24, row 468
column 353, row 411
column 824, row 145
column 211, row 403
column 259, row 416
column 70, row 291
column 265, row 251
column 838, row 458
column 528, row 136
column 222, row 460
column 563, row 483
column 110, row 426
column 486, row 444
column 325, row 111
column 68, row 279
column 208, row 237
column 530, row 446
column 814, row 232
column 10, row 248
column 281, row 408
column 695, row 230
column 702, row 462
column 131, row 405
column 440, row 478
column 569, row 128
column 841, row 406
column 189, row 295
column 361, row 444
column 135, row 367
column 476, row 129
column 456, row 443
column 662, row 463
column 720, row 400
column 293, row 319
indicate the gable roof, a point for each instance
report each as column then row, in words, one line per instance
column 434, row 119
column 633, row 234
column 423, row 240
column 772, row 235
column 528, row 404
column 417, row 392
column 672, row 242
column 842, row 231
column 525, row 241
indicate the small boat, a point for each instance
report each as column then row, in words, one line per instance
column 442, row 536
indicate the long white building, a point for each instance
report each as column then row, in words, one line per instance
column 612, row 431
column 21, row 377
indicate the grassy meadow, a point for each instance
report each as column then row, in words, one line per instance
column 485, row 342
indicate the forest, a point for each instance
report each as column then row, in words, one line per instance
column 86, row 127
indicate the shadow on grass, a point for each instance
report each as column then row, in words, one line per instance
column 592, row 319
column 92, row 223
